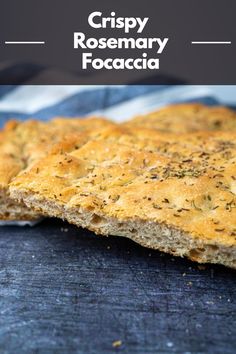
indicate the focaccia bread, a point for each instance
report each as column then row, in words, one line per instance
column 172, row 193
column 23, row 143
column 183, row 118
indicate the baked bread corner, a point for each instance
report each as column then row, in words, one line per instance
column 24, row 143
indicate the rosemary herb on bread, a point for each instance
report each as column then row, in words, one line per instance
column 24, row 143
column 174, row 193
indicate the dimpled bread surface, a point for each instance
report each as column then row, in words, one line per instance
column 24, row 143
column 175, row 193
column 184, row 118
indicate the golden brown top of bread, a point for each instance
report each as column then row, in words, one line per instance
column 187, row 182
column 183, row 118
column 23, row 143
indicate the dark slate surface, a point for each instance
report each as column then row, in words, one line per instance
column 65, row 290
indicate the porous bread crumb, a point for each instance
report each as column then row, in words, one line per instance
column 201, row 267
column 117, row 343
column 24, row 143
column 175, row 194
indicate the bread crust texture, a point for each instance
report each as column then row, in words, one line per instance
column 175, row 193
column 24, row 143
column 185, row 118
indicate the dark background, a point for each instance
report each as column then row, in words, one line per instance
column 182, row 21
column 65, row 290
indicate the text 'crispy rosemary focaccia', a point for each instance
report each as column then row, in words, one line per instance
column 173, row 193
column 23, row 143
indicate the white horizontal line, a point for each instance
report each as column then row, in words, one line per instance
column 24, row 42
column 211, row 42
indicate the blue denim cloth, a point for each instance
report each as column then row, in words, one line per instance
column 86, row 101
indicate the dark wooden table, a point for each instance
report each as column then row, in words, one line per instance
column 65, row 290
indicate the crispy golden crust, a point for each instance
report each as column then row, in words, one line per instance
column 183, row 118
column 136, row 184
column 23, row 143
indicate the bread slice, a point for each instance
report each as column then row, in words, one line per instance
column 183, row 118
column 23, row 143
column 172, row 193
